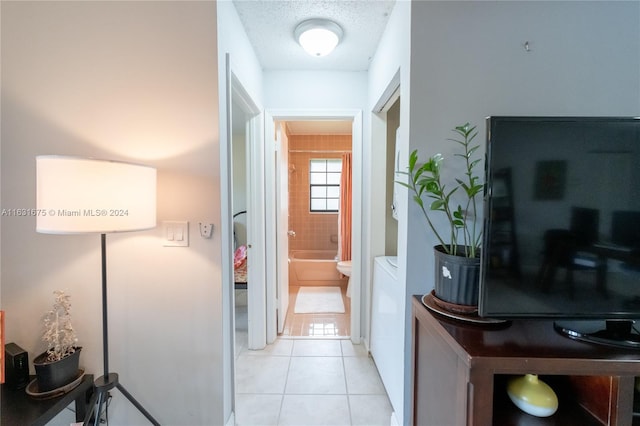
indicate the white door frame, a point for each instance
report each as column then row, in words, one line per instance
column 271, row 116
column 375, row 243
column 235, row 91
column 256, row 299
column 282, row 220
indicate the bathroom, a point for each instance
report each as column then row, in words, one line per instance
column 319, row 166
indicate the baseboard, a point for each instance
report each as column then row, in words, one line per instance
column 394, row 420
column 231, row 421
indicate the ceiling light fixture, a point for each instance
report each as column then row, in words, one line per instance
column 318, row 36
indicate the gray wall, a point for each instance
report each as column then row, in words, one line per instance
column 468, row 62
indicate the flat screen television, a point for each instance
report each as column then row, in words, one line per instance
column 562, row 225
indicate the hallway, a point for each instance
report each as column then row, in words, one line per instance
column 305, row 382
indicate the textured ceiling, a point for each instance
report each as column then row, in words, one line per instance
column 269, row 25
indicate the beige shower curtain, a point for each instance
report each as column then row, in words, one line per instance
column 345, row 208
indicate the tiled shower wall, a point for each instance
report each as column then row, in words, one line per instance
column 314, row 231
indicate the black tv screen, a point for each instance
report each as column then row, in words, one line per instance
column 561, row 218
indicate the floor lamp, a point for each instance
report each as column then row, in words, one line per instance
column 80, row 195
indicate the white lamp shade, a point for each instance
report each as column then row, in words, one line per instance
column 80, row 195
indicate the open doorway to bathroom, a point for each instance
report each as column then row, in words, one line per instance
column 319, row 199
column 278, row 227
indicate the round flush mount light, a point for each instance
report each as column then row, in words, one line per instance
column 318, row 36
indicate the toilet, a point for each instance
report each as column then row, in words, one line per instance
column 344, row 267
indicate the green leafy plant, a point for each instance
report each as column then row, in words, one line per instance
column 426, row 180
column 58, row 332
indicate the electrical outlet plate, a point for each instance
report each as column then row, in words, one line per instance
column 206, row 230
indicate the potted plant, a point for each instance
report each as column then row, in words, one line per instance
column 58, row 365
column 457, row 257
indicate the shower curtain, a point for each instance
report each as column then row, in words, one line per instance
column 344, row 250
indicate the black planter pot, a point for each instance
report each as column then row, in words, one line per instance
column 457, row 278
column 56, row 374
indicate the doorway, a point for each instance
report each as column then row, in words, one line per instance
column 318, row 196
column 278, row 235
column 245, row 217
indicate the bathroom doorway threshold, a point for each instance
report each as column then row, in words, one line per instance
column 317, row 325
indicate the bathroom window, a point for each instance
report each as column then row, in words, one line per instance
column 324, row 182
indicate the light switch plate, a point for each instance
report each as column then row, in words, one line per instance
column 175, row 233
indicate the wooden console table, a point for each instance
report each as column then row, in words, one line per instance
column 460, row 373
column 19, row 409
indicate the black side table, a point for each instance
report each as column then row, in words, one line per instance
column 19, row 409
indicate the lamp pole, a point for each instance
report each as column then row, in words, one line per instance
column 109, row 380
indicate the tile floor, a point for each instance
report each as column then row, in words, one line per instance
column 317, row 325
column 306, row 382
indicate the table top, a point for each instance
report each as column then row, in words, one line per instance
column 522, row 340
column 18, row 408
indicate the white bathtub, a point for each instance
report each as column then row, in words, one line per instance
column 314, row 268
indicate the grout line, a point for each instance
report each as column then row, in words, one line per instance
column 346, row 386
column 318, row 394
column 259, row 393
column 284, row 391
column 286, row 337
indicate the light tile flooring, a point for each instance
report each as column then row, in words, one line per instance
column 317, row 325
column 306, row 382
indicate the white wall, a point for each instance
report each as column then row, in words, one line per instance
column 234, row 44
column 301, row 89
column 233, row 40
column 391, row 62
column 468, row 62
column 133, row 81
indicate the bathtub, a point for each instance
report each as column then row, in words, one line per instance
column 314, row 268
